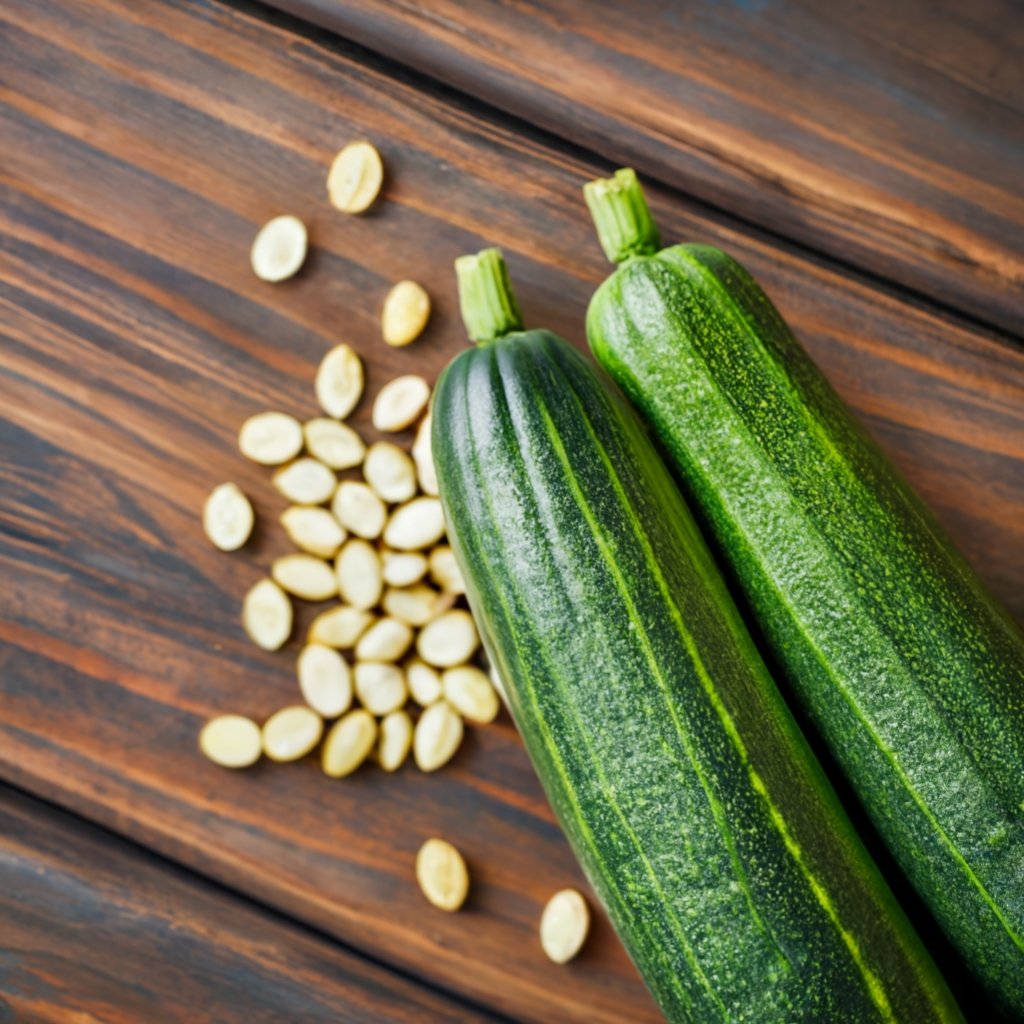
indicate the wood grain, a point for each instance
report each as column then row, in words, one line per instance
column 143, row 145
column 95, row 929
column 889, row 135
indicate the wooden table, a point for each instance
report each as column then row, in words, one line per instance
column 865, row 164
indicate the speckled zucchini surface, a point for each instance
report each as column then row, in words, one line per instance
column 707, row 828
column 909, row 670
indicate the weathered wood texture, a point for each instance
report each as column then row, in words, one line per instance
column 142, row 146
column 887, row 134
column 94, row 929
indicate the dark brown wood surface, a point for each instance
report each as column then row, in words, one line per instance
column 142, row 147
column 93, row 929
column 887, row 134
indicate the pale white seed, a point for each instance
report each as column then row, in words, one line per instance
column 442, row 874
column 359, row 509
column 470, row 692
column 339, row 381
column 423, row 457
column 380, row 687
column 349, row 743
column 405, row 314
column 390, row 472
column 305, row 576
column 395, row 740
column 232, row 741
column 564, row 925
column 403, row 568
column 437, row 736
column 291, row 733
column 355, row 178
column 339, row 627
column 306, row 482
column 359, row 575
column 325, row 680
column 228, row 517
column 416, row 605
column 279, row 248
column 400, row 402
column 267, row 615
column 424, row 682
column 416, row 524
column 313, row 529
column 499, row 686
column 335, row 444
column 450, row 639
column 270, row 438
column 386, row 640
column 444, row 570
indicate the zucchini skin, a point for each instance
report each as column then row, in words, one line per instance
column 694, row 804
column 910, row 671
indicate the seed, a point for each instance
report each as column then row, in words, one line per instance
column 424, row 459
column 451, row 639
column 437, row 736
column 359, row 510
column 339, row 381
column 228, row 517
column 355, row 178
column 232, row 741
column 499, row 686
column 340, row 626
column 416, row 605
column 405, row 314
column 325, row 680
column 414, row 525
column 399, row 402
column 386, row 640
column 270, row 438
column 403, row 568
column 424, row 682
column 380, row 687
column 444, row 570
column 291, row 733
column 442, row 874
column 313, row 529
column 564, row 925
column 390, row 472
column 395, row 740
column 335, row 444
column 267, row 615
column 358, row 570
column 349, row 743
column 305, row 576
column 306, row 482
column 279, row 248
column 469, row 691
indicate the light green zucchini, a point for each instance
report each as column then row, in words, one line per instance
column 908, row 668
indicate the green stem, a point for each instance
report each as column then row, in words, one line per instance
column 488, row 304
column 624, row 224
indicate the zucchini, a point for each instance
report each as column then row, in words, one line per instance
column 692, row 800
column 910, row 671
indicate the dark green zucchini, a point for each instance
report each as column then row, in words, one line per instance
column 693, row 802
column 908, row 668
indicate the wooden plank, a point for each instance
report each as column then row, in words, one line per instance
column 887, row 134
column 143, row 145
column 95, row 929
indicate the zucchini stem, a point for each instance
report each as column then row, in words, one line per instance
column 488, row 304
column 624, row 224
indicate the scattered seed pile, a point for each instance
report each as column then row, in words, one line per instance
column 377, row 549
